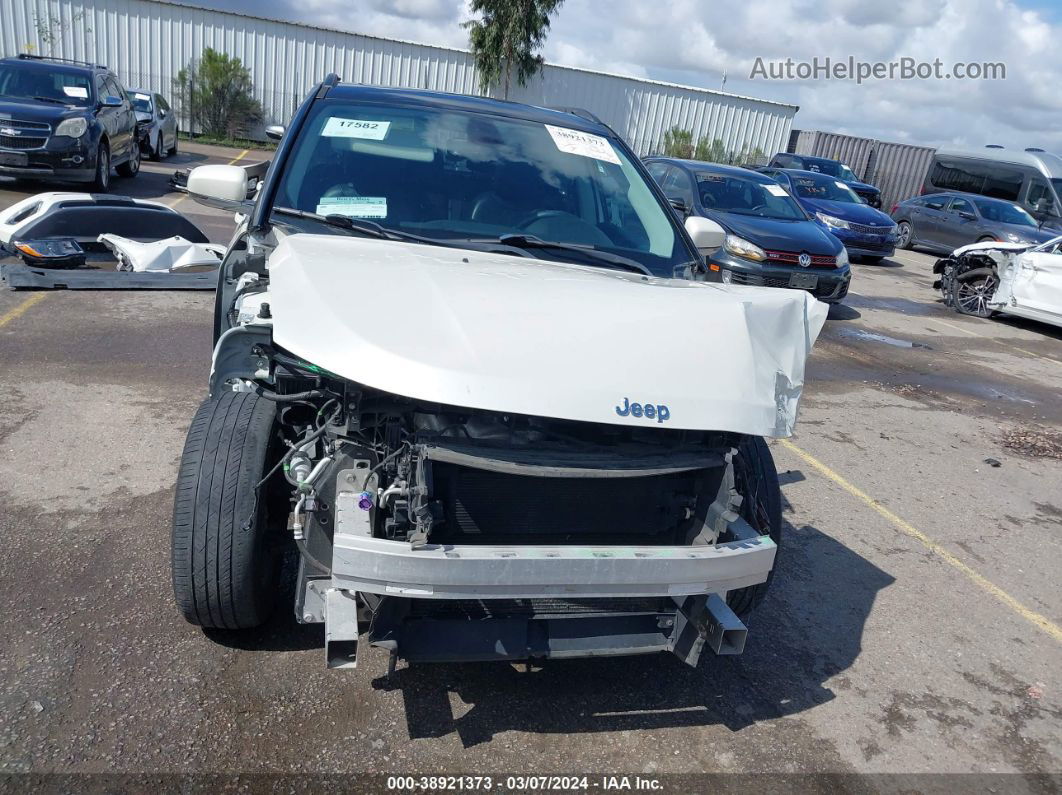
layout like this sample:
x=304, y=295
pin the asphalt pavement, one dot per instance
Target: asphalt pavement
x=915, y=625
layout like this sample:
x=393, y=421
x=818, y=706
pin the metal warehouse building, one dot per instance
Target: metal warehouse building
x=146, y=42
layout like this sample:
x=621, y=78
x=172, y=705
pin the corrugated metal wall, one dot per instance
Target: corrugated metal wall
x=898, y=170
x=147, y=42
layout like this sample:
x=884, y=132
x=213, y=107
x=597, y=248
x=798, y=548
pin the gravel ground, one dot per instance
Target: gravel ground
x=913, y=627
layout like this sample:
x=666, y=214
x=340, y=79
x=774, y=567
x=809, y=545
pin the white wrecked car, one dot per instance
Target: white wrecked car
x=1016, y=279
x=455, y=370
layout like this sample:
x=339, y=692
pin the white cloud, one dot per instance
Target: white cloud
x=691, y=41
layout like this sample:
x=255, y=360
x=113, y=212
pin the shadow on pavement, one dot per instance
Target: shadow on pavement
x=842, y=312
x=808, y=630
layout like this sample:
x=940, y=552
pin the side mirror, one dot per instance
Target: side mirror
x=967, y=216
x=275, y=131
x=112, y=102
x=707, y=235
x=162, y=114
x=224, y=187
x=1044, y=206
x=679, y=205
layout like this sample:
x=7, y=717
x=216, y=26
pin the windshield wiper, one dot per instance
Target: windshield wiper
x=50, y=99
x=373, y=229
x=598, y=257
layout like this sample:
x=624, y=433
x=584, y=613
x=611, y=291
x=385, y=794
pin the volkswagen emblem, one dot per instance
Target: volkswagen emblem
x=804, y=260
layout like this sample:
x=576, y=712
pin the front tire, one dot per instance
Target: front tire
x=157, y=150
x=226, y=550
x=757, y=481
x=972, y=295
x=173, y=149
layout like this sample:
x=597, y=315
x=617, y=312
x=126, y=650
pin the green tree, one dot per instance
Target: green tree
x=217, y=94
x=713, y=151
x=51, y=30
x=506, y=37
x=678, y=143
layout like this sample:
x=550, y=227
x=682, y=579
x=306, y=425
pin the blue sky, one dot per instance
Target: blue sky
x=693, y=42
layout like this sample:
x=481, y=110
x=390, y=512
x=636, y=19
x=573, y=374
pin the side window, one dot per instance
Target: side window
x=161, y=102
x=961, y=206
x=679, y=186
x=1038, y=190
x=1003, y=183
x=101, y=88
x=658, y=171
x=957, y=175
x=112, y=88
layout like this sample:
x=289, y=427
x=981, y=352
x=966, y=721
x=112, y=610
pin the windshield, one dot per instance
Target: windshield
x=824, y=188
x=747, y=197
x=1004, y=213
x=141, y=102
x=37, y=81
x=832, y=168
x=458, y=176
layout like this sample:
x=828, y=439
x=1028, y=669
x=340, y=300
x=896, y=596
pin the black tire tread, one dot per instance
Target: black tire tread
x=758, y=457
x=218, y=576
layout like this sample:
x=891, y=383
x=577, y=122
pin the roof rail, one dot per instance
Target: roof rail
x=994, y=146
x=330, y=81
x=1033, y=149
x=25, y=56
x=581, y=113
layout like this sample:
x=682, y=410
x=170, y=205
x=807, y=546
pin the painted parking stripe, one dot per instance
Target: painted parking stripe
x=21, y=309
x=1039, y=621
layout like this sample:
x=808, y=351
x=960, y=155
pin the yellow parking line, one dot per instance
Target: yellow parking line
x=1038, y=620
x=993, y=339
x=239, y=157
x=21, y=309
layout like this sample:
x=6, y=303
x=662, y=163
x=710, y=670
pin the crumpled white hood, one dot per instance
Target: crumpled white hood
x=526, y=336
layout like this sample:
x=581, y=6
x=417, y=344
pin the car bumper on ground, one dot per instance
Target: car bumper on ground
x=826, y=284
x=72, y=163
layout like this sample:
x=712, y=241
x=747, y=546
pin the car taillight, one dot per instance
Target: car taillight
x=894, y=208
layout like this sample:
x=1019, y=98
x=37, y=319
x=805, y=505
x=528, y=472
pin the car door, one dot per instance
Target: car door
x=1036, y=285
x=107, y=117
x=126, y=120
x=961, y=224
x=167, y=122
x=927, y=227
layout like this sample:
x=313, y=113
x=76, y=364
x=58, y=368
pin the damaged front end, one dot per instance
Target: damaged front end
x=970, y=276
x=443, y=533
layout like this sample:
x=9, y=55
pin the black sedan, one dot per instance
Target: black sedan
x=942, y=222
x=771, y=240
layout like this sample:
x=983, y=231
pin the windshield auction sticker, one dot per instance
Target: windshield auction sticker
x=776, y=190
x=337, y=127
x=575, y=142
x=353, y=206
x=77, y=92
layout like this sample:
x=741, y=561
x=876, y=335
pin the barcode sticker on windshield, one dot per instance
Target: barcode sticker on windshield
x=575, y=142
x=840, y=184
x=336, y=127
x=138, y=95
x=353, y=206
x=78, y=92
x=776, y=190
